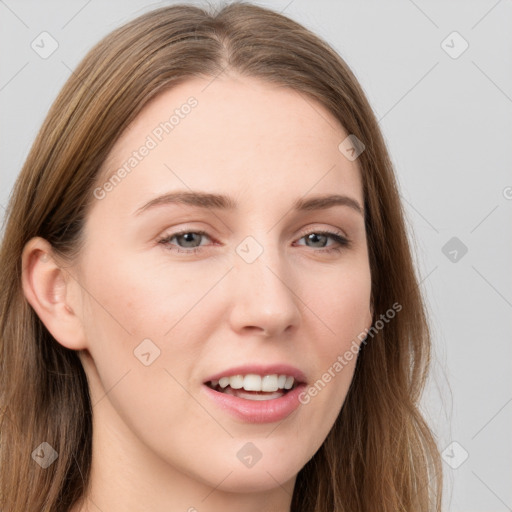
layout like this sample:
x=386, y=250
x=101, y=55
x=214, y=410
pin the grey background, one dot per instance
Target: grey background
x=448, y=125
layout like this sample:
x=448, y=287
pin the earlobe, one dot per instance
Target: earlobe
x=46, y=286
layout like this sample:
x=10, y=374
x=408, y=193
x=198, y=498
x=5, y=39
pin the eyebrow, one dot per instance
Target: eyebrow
x=222, y=202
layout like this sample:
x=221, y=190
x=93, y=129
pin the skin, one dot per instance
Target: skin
x=159, y=442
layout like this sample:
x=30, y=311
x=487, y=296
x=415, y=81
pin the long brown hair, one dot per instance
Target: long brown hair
x=380, y=453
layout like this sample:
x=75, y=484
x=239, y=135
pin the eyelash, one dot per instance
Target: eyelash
x=341, y=240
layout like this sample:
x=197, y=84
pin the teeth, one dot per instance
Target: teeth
x=224, y=382
x=269, y=383
x=236, y=381
x=289, y=383
x=253, y=382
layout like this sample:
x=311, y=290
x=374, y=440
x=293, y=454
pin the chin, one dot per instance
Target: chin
x=253, y=480
x=229, y=474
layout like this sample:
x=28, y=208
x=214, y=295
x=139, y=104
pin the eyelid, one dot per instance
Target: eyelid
x=341, y=240
x=329, y=230
x=302, y=232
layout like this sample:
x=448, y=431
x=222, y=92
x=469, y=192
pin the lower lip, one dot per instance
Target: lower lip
x=258, y=411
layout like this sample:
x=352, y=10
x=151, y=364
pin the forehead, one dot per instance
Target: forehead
x=234, y=134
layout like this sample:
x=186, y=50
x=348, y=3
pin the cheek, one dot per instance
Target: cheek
x=137, y=328
x=140, y=301
x=143, y=317
x=341, y=303
x=340, y=306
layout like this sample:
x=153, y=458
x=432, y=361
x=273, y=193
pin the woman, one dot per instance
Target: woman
x=209, y=301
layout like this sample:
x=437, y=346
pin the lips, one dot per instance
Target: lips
x=257, y=400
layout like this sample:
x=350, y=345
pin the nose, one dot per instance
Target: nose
x=265, y=296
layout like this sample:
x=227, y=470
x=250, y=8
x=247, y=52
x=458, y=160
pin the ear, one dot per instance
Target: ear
x=53, y=293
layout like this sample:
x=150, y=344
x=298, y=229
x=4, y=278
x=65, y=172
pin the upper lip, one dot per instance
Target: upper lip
x=279, y=369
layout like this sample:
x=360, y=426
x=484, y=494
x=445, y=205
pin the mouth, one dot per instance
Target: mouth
x=252, y=386
x=256, y=393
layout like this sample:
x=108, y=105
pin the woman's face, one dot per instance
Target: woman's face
x=252, y=286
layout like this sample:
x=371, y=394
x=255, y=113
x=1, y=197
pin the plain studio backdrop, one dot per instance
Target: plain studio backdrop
x=438, y=75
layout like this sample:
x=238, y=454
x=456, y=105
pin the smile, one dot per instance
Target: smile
x=253, y=386
x=256, y=393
